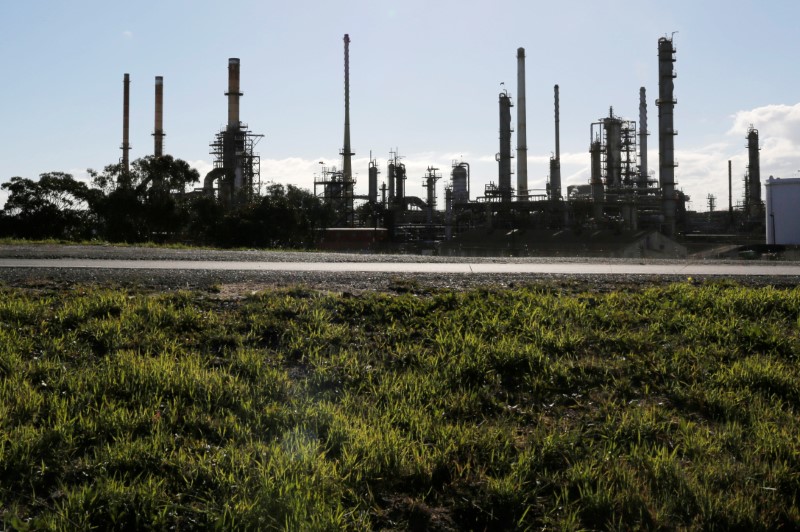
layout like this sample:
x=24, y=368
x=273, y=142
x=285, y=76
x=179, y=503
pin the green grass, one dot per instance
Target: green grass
x=668, y=407
x=8, y=241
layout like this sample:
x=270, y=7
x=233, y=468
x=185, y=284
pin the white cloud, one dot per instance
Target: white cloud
x=127, y=34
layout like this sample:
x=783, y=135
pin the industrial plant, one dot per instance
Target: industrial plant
x=626, y=209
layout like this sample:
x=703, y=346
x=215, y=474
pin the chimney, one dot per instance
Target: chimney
x=233, y=93
x=347, y=170
x=126, y=100
x=158, y=132
x=522, y=148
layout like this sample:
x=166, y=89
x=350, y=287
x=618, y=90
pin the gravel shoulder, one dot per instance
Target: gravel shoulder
x=238, y=283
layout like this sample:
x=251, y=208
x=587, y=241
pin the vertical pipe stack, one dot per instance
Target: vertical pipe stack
x=390, y=171
x=233, y=93
x=754, y=172
x=555, y=162
x=730, y=191
x=158, y=132
x=613, y=131
x=373, y=181
x=595, y=151
x=347, y=170
x=522, y=148
x=399, y=182
x=643, y=169
x=666, y=132
x=126, y=146
x=504, y=157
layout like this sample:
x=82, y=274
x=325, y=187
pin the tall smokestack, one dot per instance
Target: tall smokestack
x=555, y=162
x=522, y=147
x=643, y=170
x=233, y=93
x=347, y=170
x=126, y=100
x=158, y=132
x=666, y=132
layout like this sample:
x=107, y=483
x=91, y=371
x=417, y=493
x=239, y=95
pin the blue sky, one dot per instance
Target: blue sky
x=425, y=76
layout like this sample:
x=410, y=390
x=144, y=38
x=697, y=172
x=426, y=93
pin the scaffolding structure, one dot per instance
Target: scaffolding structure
x=619, y=168
x=233, y=149
x=334, y=188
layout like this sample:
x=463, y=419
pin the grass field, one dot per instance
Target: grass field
x=537, y=407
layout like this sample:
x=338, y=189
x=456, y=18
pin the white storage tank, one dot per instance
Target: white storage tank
x=783, y=211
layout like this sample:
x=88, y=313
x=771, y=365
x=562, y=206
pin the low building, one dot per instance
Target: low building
x=563, y=243
x=352, y=238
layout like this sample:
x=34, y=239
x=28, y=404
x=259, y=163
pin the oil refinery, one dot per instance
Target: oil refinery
x=624, y=210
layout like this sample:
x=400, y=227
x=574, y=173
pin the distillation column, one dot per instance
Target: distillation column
x=126, y=146
x=643, y=170
x=596, y=178
x=555, y=161
x=754, y=173
x=613, y=149
x=372, y=193
x=522, y=147
x=666, y=133
x=390, y=171
x=158, y=132
x=504, y=156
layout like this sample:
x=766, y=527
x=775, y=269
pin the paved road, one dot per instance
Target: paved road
x=567, y=268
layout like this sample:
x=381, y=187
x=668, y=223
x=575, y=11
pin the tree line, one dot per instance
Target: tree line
x=154, y=202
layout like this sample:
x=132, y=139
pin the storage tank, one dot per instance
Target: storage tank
x=460, y=178
x=783, y=216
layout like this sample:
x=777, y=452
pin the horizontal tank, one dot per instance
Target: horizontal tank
x=783, y=216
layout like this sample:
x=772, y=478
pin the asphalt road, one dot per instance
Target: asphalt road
x=597, y=267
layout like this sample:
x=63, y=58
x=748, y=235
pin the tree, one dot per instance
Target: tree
x=55, y=206
x=144, y=203
x=287, y=217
